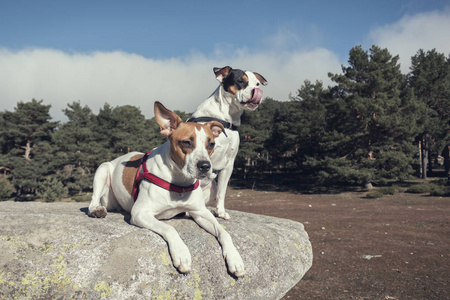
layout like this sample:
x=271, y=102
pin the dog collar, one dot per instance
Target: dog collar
x=143, y=173
x=225, y=124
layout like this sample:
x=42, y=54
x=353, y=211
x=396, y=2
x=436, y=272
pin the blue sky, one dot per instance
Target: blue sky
x=136, y=52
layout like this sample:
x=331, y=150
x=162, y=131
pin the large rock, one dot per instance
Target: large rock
x=54, y=250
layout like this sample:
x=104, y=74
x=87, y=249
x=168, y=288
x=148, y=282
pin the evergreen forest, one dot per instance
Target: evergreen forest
x=375, y=125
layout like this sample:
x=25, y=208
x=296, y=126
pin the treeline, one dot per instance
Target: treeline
x=367, y=128
x=45, y=159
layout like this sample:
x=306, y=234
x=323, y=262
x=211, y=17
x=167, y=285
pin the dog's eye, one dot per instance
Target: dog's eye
x=241, y=84
x=211, y=146
x=186, y=144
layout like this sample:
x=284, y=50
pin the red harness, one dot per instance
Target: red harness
x=142, y=173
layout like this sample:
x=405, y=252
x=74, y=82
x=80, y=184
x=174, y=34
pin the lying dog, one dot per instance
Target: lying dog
x=238, y=90
x=171, y=174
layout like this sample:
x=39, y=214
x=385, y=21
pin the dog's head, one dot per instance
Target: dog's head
x=191, y=144
x=243, y=85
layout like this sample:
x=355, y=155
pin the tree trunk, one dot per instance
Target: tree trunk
x=426, y=141
x=446, y=155
x=420, y=160
x=27, y=151
x=424, y=163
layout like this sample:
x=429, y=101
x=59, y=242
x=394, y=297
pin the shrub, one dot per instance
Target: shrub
x=82, y=198
x=387, y=190
x=51, y=190
x=378, y=193
x=419, y=189
x=6, y=189
x=374, y=195
x=440, y=190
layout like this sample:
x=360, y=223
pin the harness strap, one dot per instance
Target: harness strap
x=225, y=124
x=143, y=173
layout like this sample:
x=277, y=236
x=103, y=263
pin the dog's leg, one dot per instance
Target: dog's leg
x=181, y=257
x=207, y=221
x=222, y=184
x=101, y=190
x=209, y=192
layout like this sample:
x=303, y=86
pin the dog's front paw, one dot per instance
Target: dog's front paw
x=235, y=263
x=99, y=212
x=181, y=258
x=221, y=213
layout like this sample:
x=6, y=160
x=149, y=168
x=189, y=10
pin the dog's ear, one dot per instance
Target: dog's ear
x=216, y=128
x=260, y=78
x=168, y=120
x=221, y=73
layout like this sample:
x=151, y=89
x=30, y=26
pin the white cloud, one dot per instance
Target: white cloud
x=422, y=31
x=120, y=78
x=182, y=83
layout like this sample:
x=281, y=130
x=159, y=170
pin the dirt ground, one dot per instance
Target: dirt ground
x=395, y=247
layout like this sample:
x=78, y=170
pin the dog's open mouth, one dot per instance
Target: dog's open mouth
x=254, y=102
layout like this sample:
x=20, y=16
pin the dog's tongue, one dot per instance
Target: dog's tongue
x=257, y=96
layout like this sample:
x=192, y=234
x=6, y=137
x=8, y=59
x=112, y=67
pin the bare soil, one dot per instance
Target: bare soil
x=394, y=247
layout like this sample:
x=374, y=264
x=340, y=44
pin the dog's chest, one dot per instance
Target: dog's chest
x=167, y=204
x=225, y=150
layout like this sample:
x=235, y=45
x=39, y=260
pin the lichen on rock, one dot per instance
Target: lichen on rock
x=55, y=250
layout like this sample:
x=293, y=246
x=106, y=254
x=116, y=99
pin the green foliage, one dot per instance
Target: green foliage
x=388, y=190
x=440, y=190
x=434, y=189
x=364, y=137
x=87, y=140
x=374, y=195
x=35, y=149
x=6, y=189
x=363, y=129
x=51, y=189
x=254, y=133
x=380, y=192
x=419, y=189
x=82, y=198
x=27, y=148
x=430, y=79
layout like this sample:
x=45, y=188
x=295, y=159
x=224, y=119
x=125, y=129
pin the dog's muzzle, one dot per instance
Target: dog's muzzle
x=254, y=102
x=257, y=96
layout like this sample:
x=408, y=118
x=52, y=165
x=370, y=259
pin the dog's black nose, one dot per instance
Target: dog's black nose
x=203, y=166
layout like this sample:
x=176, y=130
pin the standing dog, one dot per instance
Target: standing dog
x=238, y=90
x=171, y=174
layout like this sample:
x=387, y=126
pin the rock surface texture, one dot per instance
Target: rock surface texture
x=54, y=250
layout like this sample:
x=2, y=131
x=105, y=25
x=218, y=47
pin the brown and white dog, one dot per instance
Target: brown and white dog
x=178, y=163
x=238, y=91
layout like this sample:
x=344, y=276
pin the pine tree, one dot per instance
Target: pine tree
x=430, y=79
x=371, y=122
x=102, y=126
x=87, y=140
x=128, y=132
x=310, y=120
x=254, y=132
x=77, y=148
x=26, y=145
